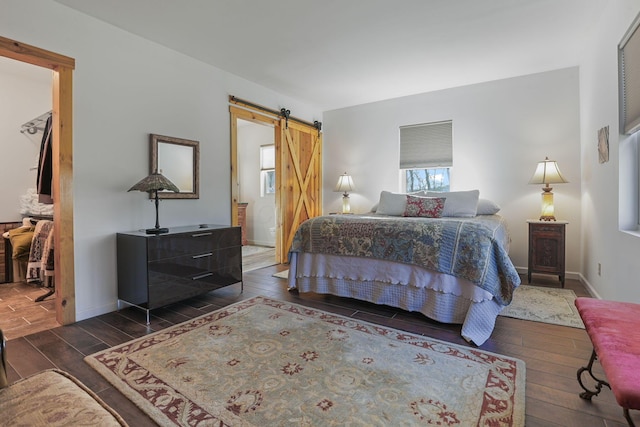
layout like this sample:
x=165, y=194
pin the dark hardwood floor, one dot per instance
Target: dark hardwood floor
x=552, y=353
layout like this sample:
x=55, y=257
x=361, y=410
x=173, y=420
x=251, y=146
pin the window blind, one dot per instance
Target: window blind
x=267, y=157
x=629, y=66
x=426, y=145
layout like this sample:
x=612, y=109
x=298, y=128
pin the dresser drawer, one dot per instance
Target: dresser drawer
x=196, y=242
x=193, y=266
x=181, y=244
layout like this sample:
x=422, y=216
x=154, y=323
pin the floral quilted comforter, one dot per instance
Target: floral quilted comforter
x=471, y=248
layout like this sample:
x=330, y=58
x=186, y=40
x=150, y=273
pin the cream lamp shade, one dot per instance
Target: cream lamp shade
x=547, y=172
x=344, y=185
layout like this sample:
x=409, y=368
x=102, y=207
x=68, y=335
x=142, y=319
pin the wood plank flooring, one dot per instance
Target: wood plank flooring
x=552, y=353
x=20, y=314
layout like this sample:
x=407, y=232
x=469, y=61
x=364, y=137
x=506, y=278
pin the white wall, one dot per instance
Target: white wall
x=501, y=130
x=124, y=88
x=25, y=93
x=261, y=209
x=609, y=190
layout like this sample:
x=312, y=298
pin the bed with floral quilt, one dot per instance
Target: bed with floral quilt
x=452, y=269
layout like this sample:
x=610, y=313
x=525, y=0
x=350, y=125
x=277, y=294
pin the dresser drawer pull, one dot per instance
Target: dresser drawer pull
x=202, y=255
x=201, y=234
x=202, y=276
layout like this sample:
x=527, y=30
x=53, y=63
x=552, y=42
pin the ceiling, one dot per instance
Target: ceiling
x=338, y=53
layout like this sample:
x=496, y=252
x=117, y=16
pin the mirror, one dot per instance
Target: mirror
x=178, y=160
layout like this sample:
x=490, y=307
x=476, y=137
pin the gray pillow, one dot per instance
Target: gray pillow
x=393, y=203
x=487, y=207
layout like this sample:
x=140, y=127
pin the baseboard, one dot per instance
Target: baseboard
x=573, y=275
x=589, y=287
x=261, y=243
x=97, y=311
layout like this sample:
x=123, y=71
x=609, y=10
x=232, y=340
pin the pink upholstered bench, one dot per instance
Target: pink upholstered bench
x=614, y=330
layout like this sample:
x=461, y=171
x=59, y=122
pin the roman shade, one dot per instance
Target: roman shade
x=267, y=157
x=629, y=68
x=426, y=145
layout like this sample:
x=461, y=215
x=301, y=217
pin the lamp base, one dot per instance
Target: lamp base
x=156, y=230
x=346, y=206
x=548, y=212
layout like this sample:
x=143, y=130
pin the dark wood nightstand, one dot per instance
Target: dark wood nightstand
x=546, y=248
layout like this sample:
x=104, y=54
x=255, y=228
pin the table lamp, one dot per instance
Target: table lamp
x=547, y=172
x=344, y=185
x=152, y=184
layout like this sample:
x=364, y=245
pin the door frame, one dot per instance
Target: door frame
x=62, y=183
x=261, y=119
x=292, y=184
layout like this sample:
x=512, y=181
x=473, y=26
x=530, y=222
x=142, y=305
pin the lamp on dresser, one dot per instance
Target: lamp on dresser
x=152, y=184
x=547, y=172
x=344, y=185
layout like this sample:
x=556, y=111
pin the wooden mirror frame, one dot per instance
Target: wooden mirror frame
x=157, y=142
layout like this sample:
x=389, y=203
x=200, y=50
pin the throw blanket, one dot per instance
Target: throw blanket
x=466, y=248
x=39, y=252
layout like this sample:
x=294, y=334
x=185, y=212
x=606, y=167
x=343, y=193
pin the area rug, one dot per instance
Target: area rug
x=263, y=362
x=284, y=274
x=547, y=305
x=256, y=257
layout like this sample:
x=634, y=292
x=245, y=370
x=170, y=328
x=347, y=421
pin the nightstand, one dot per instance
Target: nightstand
x=546, y=248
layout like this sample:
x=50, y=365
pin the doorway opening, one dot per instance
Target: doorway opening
x=62, y=165
x=256, y=193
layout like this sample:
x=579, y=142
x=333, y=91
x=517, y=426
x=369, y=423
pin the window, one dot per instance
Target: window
x=432, y=179
x=629, y=70
x=267, y=170
x=426, y=156
x=629, y=110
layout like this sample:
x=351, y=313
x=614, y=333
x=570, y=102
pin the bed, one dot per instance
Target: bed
x=450, y=265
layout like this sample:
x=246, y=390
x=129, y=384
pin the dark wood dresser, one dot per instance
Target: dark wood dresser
x=156, y=270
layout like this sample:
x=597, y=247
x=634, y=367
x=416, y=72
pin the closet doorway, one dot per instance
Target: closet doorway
x=62, y=185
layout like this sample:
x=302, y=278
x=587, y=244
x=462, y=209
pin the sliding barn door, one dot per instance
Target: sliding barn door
x=299, y=180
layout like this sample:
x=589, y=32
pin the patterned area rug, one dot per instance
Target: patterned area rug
x=265, y=362
x=547, y=305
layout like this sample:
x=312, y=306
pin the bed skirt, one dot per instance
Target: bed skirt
x=453, y=302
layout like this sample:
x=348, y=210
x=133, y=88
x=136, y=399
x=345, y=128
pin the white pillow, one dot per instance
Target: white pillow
x=392, y=203
x=487, y=207
x=458, y=203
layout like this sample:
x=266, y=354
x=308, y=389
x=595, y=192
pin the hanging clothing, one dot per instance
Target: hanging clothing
x=45, y=166
x=39, y=251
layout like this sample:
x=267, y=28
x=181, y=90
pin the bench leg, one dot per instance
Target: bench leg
x=628, y=418
x=3, y=362
x=587, y=394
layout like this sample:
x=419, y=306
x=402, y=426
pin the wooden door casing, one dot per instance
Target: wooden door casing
x=62, y=156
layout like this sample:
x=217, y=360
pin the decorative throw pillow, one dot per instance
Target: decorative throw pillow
x=429, y=207
x=21, y=238
x=459, y=203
